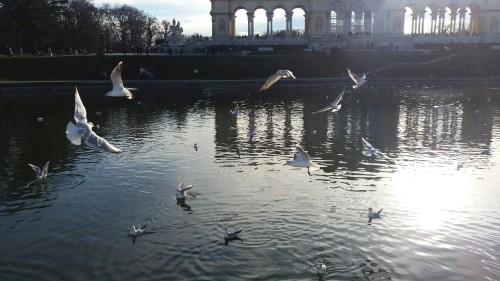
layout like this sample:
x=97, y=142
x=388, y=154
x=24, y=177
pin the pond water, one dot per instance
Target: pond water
x=440, y=221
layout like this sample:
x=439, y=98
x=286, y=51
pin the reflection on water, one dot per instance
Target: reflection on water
x=440, y=215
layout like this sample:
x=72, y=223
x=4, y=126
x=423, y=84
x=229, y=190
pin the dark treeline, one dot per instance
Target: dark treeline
x=33, y=26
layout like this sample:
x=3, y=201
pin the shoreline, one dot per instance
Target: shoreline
x=189, y=89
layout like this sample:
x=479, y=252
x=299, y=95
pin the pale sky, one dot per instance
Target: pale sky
x=194, y=15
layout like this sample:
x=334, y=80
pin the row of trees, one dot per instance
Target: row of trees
x=31, y=25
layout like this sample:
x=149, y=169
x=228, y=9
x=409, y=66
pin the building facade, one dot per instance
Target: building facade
x=327, y=20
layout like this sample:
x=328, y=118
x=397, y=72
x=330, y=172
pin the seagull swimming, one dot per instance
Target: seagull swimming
x=320, y=268
x=83, y=129
x=282, y=73
x=334, y=106
x=229, y=234
x=182, y=191
x=118, y=89
x=369, y=150
x=236, y=111
x=137, y=231
x=454, y=107
x=40, y=173
x=301, y=159
x=195, y=146
x=359, y=81
x=373, y=215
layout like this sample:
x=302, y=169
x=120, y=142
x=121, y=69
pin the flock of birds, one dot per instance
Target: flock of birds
x=82, y=130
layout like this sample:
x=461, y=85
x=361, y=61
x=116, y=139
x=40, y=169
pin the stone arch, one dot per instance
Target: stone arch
x=337, y=17
x=299, y=20
x=475, y=18
x=357, y=17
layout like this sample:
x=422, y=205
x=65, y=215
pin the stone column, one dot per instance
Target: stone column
x=368, y=22
x=414, y=23
x=454, y=21
x=269, y=25
x=289, y=17
x=421, y=15
x=347, y=21
x=250, y=25
x=433, y=22
x=463, y=12
x=442, y=15
x=232, y=25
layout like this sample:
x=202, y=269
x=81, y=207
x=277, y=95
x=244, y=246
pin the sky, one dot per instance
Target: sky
x=194, y=15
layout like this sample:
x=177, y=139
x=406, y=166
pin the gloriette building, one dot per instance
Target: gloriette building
x=351, y=23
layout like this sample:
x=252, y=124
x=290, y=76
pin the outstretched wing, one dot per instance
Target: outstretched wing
x=95, y=141
x=45, y=169
x=36, y=169
x=366, y=144
x=301, y=154
x=330, y=107
x=80, y=112
x=116, y=77
x=270, y=81
x=290, y=74
x=339, y=98
x=353, y=76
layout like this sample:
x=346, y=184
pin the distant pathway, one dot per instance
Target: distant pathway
x=410, y=63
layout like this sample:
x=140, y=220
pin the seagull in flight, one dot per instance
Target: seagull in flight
x=301, y=159
x=334, y=106
x=83, y=130
x=40, y=173
x=236, y=111
x=118, y=89
x=282, y=73
x=369, y=150
x=373, y=215
x=359, y=81
x=454, y=107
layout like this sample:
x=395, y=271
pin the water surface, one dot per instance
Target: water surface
x=438, y=222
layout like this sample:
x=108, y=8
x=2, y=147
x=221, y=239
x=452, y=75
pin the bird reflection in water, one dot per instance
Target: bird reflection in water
x=182, y=203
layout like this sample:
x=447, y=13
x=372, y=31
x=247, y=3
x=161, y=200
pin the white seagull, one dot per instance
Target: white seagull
x=40, y=173
x=454, y=107
x=301, y=159
x=182, y=191
x=320, y=268
x=359, y=81
x=229, y=234
x=369, y=150
x=137, y=231
x=282, y=73
x=118, y=89
x=83, y=130
x=236, y=111
x=334, y=106
x=373, y=215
